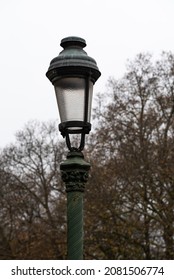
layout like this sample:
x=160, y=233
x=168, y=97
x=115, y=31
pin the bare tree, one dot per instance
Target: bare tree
x=33, y=195
x=132, y=151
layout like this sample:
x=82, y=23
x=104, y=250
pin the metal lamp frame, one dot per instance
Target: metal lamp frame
x=73, y=61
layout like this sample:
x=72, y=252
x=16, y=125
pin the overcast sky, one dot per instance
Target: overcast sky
x=30, y=35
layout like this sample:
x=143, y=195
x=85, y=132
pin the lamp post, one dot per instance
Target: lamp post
x=73, y=74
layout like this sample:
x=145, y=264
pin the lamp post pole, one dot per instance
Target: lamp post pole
x=75, y=174
x=73, y=74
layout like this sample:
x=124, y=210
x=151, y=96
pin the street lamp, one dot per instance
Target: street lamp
x=73, y=74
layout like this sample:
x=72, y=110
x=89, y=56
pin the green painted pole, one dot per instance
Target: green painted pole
x=74, y=172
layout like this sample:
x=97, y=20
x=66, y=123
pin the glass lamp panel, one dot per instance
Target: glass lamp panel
x=90, y=101
x=70, y=94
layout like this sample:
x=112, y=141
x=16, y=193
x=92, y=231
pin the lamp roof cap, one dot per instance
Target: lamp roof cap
x=73, y=60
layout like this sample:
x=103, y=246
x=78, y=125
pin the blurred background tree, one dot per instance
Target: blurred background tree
x=130, y=197
x=33, y=200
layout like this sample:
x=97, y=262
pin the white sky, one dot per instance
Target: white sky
x=30, y=35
